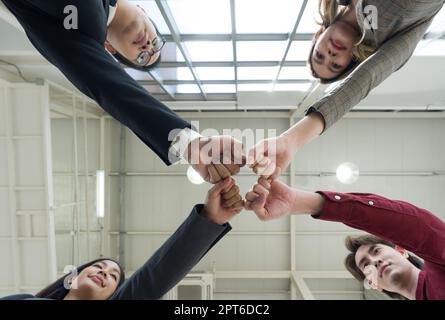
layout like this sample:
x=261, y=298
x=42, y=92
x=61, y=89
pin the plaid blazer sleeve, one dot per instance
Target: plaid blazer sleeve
x=390, y=57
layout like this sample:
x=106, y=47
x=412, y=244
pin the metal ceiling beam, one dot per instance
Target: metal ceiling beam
x=170, y=21
x=179, y=64
x=302, y=286
x=179, y=82
x=160, y=83
x=241, y=37
x=290, y=41
x=235, y=55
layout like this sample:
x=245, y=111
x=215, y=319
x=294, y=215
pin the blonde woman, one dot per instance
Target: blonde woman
x=363, y=41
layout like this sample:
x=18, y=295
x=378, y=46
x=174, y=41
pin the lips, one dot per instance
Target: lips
x=97, y=280
x=338, y=45
x=382, y=270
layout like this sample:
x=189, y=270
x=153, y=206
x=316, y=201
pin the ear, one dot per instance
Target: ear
x=402, y=251
x=317, y=35
x=109, y=47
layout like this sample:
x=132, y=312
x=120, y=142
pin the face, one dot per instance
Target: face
x=333, y=50
x=98, y=281
x=391, y=265
x=136, y=34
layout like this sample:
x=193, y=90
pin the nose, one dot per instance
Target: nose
x=332, y=53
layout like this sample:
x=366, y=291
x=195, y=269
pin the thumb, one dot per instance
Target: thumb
x=259, y=203
x=256, y=153
x=220, y=186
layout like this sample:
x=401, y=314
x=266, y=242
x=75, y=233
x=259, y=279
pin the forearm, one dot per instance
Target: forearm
x=304, y=131
x=309, y=203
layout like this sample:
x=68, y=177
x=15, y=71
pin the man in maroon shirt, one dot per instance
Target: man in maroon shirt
x=400, y=227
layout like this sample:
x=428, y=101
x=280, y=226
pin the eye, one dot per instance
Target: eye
x=114, y=277
x=98, y=266
x=336, y=66
x=376, y=250
x=318, y=55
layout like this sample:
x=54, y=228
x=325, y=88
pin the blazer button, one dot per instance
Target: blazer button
x=371, y=203
x=337, y=197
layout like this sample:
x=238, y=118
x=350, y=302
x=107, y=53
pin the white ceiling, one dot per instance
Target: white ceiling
x=231, y=81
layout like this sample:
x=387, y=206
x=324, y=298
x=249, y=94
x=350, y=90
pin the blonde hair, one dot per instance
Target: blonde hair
x=329, y=14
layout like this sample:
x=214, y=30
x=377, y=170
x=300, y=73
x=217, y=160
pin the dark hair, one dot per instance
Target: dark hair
x=57, y=290
x=354, y=243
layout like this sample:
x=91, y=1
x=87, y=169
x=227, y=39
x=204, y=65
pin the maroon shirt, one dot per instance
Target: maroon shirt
x=401, y=223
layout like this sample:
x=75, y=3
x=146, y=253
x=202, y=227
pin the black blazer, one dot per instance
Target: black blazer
x=81, y=56
x=169, y=264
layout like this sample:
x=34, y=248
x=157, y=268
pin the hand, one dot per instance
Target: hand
x=270, y=157
x=271, y=199
x=223, y=202
x=216, y=158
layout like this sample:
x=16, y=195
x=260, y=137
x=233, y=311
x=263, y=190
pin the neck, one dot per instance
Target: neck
x=408, y=290
x=349, y=16
x=120, y=18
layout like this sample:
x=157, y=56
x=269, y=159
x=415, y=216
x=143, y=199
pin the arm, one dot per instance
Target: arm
x=399, y=222
x=205, y=226
x=404, y=224
x=389, y=58
x=83, y=59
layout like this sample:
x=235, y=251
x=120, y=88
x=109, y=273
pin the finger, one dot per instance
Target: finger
x=265, y=183
x=214, y=175
x=217, y=188
x=237, y=153
x=238, y=205
x=256, y=153
x=260, y=190
x=258, y=204
x=267, y=170
x=222, y=171
x=229, y=186
x=230, y=202
x=276, y=173
x=248, y=205
x=251, y=196
x=234, y=190
x=233, y=168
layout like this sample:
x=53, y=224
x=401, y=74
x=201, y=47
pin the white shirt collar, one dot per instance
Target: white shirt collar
x=111, y=14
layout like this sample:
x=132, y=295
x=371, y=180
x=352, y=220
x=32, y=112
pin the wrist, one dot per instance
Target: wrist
x=206, y=214
x=310, y=203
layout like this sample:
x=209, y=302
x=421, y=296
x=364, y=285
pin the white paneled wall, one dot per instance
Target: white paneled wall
x=27, y=242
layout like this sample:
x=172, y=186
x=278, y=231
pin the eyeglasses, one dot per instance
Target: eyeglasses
x=156, y=45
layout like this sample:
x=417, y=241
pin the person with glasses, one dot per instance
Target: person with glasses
x=81, y=37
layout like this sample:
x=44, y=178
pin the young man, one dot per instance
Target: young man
x=385, y=261
x=74, y=35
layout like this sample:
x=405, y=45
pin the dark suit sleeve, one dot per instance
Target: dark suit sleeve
x=174, y=260
x=82, y=58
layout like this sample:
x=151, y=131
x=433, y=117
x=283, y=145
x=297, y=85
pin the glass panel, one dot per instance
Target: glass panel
x=209, y=51
x=292, y=87
x=170, y=53
x=201, y=16
x=291, y=73
x=255, y=87
x=184, y=88
x=154, y=89
x=181, y=73
x=216, y=73
x=260, y=50
x=308, y=21
x=257, y=73
x=152, y=10
x=219, y=88
x=299, y=51
x=265, y=16
x=138, y=75
x=434, y=48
